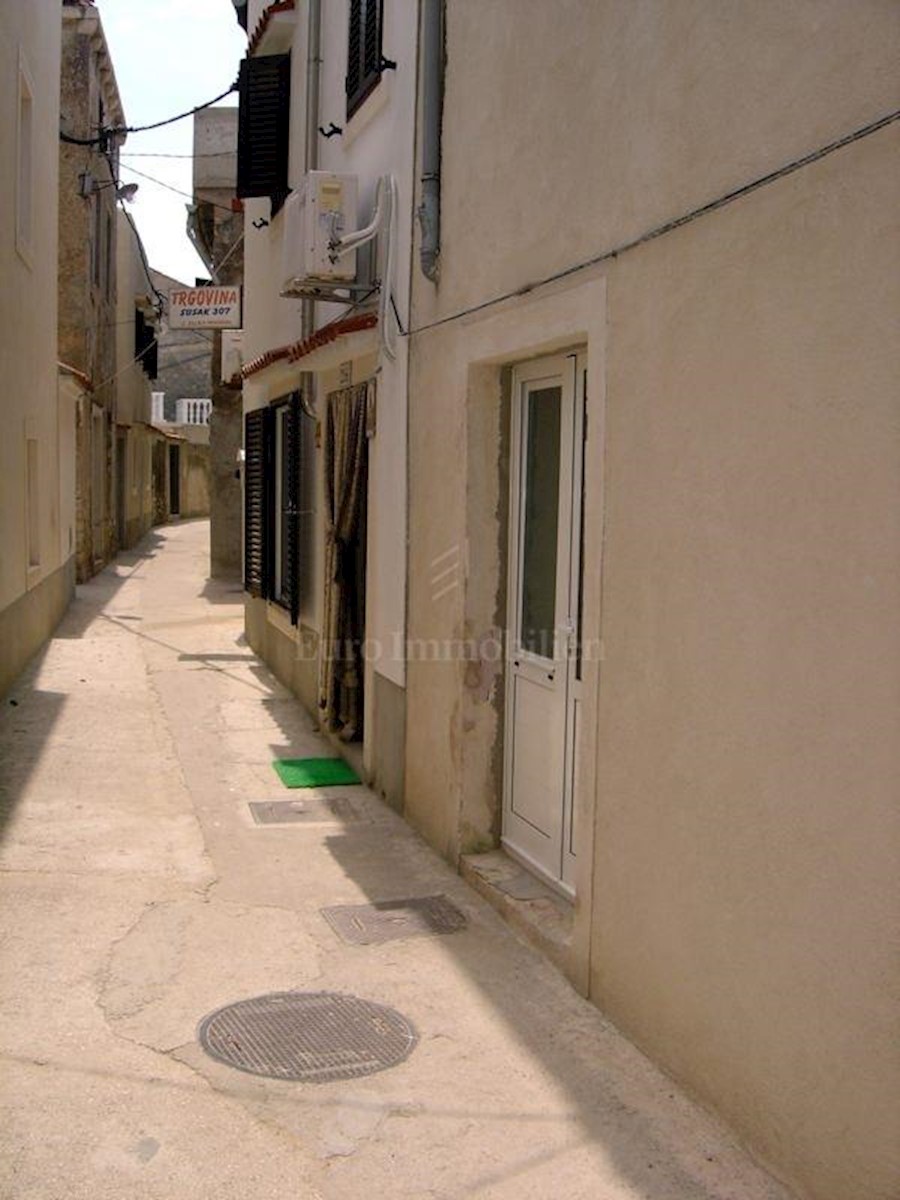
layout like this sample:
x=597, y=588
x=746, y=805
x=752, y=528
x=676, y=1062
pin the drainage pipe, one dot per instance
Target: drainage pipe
x=429, y=211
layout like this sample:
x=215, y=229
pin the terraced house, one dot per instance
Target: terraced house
x=571, y=498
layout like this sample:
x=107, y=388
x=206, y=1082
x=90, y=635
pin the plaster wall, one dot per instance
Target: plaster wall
x=379, y=139
x=194, y=463
x=610, y=118
x=87, y=241
x=214, y=184
x=738, y=760
x=133, y=400
x=747, y=725
x=29, y=56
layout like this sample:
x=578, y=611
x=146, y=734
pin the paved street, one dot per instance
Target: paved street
x=139, y=895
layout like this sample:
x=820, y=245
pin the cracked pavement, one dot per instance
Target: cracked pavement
x=139, y=895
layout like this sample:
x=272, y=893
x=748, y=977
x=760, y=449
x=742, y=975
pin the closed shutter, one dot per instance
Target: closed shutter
x=264, y=90
x=257, y=506
x=363, y=51
x=290, y=536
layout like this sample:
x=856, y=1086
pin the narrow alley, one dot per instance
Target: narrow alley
x=139, y=896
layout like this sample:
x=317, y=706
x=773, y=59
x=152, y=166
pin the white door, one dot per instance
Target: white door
x=543, y=697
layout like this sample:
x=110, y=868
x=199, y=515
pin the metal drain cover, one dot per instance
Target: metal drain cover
x=310, y=1036
x=311, y=810
x=367, y=924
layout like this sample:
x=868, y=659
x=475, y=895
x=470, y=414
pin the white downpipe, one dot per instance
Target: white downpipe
x=383, y=223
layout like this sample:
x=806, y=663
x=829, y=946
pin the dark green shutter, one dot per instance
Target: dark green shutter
x=264, y=89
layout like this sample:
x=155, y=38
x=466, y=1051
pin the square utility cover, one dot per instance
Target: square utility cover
x=311, y=810
x=315, y=772
x=388, y=920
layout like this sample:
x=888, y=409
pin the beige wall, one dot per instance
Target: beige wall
x=87, y=306
x=738, y=766
x=194, y=480
x=133, y=386
x=611, y=117
x=34, y=584
x=378, y=139
x=747, y=733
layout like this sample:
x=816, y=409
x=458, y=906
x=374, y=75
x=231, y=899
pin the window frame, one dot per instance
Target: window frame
x=272, y=493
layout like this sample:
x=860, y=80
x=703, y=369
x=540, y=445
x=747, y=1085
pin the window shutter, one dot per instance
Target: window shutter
x=257, y=516
x=372, y=39
x=264, y=90
x=354, y=58
x=290, y=546
x=363, y=51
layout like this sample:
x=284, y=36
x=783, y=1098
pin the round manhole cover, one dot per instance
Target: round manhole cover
x=311, y=1036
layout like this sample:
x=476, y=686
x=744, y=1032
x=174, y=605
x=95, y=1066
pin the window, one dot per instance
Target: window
x=146, y=346
x=363, y=51
x=273, y=439
x=25, y=165
x=264, y=91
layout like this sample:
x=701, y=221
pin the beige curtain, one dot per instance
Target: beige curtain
x=343, y=624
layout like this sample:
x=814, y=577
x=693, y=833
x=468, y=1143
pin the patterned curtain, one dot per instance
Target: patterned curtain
x=343, y=624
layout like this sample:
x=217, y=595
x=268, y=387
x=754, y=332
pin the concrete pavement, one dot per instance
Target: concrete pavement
x=138, y=895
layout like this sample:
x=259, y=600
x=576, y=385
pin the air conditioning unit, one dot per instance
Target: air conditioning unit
x=315, y=215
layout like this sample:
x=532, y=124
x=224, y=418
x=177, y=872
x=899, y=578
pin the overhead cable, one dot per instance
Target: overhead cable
x=118, y=130
x=670, y=226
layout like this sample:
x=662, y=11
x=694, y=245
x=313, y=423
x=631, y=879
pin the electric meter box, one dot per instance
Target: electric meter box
x=321, y=211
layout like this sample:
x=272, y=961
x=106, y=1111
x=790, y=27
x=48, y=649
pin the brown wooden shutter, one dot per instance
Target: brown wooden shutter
x=264, y=90
x=363, y=51
x=257, y=506
x=354, y=57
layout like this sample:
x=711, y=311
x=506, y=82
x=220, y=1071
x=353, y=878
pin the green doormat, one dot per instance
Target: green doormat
x=314, y=772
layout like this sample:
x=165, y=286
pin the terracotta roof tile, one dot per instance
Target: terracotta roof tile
x=263, y=24
x=322, y=337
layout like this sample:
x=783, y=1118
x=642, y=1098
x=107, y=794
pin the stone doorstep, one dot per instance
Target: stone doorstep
x=532, y=908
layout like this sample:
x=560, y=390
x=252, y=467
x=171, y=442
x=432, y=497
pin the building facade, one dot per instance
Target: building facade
x=602, y=476
x=37, y=518
x=653, y=432
x=137, y=309
x=325, y=377
x=88, y=173
x=216, y=228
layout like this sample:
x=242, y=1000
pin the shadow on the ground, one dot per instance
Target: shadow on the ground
x=29, y=713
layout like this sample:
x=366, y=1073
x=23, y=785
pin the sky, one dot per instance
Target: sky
x=168, y=56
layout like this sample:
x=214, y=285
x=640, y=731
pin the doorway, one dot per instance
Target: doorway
x=174, y=481
x=543, y=678
x=341, y=665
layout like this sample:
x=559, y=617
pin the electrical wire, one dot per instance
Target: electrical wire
x=118, y=130
x=676, y=223
x=169, y=188
x=161, y=300
x=182, y=362
x=153, y=154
